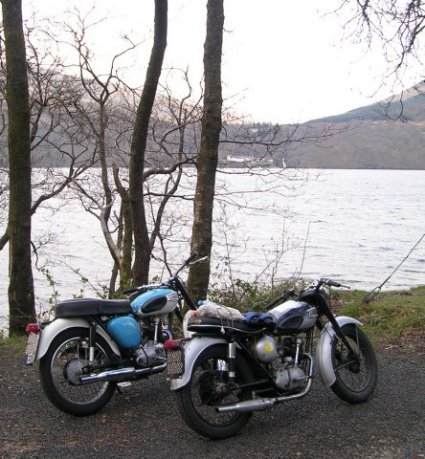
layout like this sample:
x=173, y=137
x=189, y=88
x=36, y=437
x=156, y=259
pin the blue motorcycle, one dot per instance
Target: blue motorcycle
x=94, y=344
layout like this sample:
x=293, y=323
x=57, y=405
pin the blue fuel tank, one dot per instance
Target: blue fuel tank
x=125, y=330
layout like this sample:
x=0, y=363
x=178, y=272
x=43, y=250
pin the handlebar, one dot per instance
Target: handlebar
x=331, y=283
x=290, y=293
x=285, y=296
x=189, y=261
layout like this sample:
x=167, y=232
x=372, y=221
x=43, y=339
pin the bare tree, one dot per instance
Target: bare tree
x=138, y=146
x=398, y=24
x=55, y=134
x=206, y=162
x=21, y=286
x=99, y=109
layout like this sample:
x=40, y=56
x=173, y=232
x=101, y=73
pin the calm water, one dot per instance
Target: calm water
x=352, y=225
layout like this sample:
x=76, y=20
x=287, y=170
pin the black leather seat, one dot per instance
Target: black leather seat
x=91, y=307
x=213, y=326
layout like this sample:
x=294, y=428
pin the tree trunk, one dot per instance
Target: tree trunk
x=207, y=158
x=21, y=286
x=142, y=252
x=127, y=244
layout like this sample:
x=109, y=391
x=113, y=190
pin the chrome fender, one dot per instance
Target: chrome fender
x=49, y=333
x=192, y=349
x=324, y=349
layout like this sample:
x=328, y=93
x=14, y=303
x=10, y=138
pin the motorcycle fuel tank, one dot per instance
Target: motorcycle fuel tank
x=155, y=302
x=293, y=316
x=125, y=330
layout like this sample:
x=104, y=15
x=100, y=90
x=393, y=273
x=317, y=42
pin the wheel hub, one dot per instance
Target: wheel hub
x=212, y=391
x=72, y=371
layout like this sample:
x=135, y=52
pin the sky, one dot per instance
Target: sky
x=283, y=61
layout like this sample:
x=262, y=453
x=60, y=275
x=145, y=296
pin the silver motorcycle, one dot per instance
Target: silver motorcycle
x=226, y=368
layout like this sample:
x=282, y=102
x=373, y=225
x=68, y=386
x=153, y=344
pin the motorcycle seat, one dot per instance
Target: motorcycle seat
x=212, y=326
x=91, y=307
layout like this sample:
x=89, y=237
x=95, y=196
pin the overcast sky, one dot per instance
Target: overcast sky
x=283, y=61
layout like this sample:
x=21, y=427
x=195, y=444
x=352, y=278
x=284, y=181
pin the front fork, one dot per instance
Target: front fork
x=340, y=335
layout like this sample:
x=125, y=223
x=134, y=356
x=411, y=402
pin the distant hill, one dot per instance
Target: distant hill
x=408, y=106
x=385, y=135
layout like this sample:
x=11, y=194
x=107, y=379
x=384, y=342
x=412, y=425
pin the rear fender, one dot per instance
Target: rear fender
x=192, y=350
x=324, y=349
x=49, y=333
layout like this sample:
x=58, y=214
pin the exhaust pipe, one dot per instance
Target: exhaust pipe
x=121, y=374
x=260, y=404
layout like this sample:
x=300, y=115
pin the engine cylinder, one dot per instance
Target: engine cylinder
x=266, y=349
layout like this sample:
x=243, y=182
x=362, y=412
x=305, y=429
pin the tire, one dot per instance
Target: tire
x=59, y=373
x=355, y=381
x=197, y=401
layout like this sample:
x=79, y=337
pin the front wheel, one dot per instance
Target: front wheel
x=60, y=370
x=210, y=387
x=355, y=377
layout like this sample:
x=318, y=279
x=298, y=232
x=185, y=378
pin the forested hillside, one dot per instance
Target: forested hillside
x=386, y=135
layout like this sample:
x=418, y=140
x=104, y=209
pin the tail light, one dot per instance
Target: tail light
x=172, y=344
x=32, y=328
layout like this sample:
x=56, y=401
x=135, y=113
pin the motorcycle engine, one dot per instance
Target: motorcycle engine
x=150, y=354
x=288, y=375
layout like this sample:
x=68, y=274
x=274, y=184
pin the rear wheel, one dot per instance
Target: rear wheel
x=355, y=378
x=209, y=388
x=60, y=370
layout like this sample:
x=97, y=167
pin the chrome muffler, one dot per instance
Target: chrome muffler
x=121, y=374
x=260, y=404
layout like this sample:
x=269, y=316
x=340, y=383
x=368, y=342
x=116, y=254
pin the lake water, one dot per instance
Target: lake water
x=352, y=225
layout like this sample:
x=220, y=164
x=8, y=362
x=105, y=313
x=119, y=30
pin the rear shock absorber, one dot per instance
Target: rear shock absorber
x=231, y=354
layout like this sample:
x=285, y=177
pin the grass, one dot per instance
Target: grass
x=392, y=317
x=17, y=341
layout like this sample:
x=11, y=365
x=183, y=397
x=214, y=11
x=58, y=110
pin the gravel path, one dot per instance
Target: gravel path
x=143, y=423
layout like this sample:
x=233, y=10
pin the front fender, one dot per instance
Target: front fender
x=52, y=330
x=192, y=349
x=324, y=349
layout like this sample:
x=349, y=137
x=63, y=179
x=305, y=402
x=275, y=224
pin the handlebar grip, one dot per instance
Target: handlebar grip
x=333, y=283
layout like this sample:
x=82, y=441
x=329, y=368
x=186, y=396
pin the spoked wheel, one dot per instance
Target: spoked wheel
x=355, y=377
x=209, y=388
x=60, y=371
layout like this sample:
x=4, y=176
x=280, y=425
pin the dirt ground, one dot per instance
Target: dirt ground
x=143, y=421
